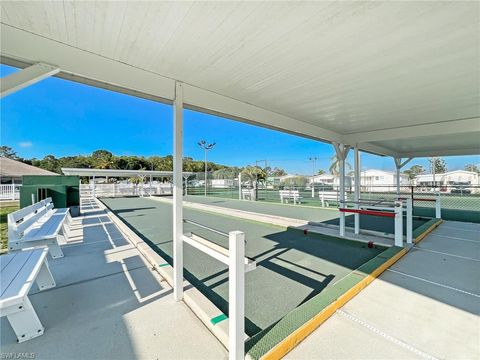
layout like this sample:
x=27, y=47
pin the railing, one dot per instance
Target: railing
x=238, y=264
x=10, y=191
x=458, y=202
x=119, y=190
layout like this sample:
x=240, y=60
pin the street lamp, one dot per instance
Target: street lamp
x=313, y=160
x=205, y=146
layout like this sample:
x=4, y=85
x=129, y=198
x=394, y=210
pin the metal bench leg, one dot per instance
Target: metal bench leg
x=25, y=322
x=55, y=250
x=44, y=278
x=66, y=230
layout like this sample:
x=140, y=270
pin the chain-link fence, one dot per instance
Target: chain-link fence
x=458, y=202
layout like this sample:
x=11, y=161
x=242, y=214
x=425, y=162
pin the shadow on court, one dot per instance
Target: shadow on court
x=291, y=269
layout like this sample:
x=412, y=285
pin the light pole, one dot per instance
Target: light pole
x=203, y=144
x=313, y=160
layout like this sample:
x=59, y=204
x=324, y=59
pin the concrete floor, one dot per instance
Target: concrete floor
x=108, y=304
x=427, y=305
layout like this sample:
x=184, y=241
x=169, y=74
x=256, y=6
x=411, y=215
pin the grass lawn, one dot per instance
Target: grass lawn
x=4, y=211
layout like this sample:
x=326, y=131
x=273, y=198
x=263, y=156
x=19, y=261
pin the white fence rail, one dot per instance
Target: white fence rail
x=119, y=190
x=10, y=191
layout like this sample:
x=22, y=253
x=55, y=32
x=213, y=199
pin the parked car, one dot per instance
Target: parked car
x=461, y=188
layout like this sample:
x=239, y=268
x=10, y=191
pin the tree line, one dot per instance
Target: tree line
x=104, y=159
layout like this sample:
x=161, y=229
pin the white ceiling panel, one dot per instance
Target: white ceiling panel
x=342, y=67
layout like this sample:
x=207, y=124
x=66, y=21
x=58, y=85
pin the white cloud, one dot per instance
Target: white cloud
x=25, y=144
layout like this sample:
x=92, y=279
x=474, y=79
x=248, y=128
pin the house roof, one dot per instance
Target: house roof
x=14, y=168
x=429, y=177
x=118, y=172
x=393, y=78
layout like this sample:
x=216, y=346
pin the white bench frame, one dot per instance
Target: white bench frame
x=19, y=270
x=326, y=196
x=32, y=226
x=285, y=195
x=248, y=194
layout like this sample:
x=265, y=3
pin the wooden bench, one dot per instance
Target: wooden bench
x=328, y=196
x=248, y=194
x=286, y=195
x=38, y=225
x=19, y=270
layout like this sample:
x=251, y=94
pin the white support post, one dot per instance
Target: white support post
x=93, y=190
x=240, y=186
x=178, y=193
x=236, y=296
x=409, y=215
x=33, y=199
x=342, y=196
x=13, y=189
x=398, y=165
x=357, y=180
x=438, y=206
x=398, y=223
x=342, y=152
x=26, y=77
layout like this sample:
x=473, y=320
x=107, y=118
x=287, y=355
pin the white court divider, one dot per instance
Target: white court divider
x=409, y=215
x=238, y=265
x=438, y=206
x=398, y=223
x=378, y=208
x=436, y=200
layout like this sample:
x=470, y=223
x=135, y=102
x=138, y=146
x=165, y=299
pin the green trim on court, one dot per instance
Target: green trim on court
x=162, y=265
x=422, y=231
x=261, y=343
x=218, y=319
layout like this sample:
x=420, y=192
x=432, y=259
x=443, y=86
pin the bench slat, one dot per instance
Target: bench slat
x=20, y=214
x=30, y=221
x=15, y=264
x=4, y=261
x=30, y=261
x=47, y=229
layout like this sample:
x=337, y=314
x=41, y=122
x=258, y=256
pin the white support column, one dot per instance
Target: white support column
x=240, y=186
x=13, y=189
x=409, y=216
x=236, y=296
x=178, y=193
x=398, y=165
x=398, y=223
x=93, y=190
x=357, y=167
x=26, y=77
x=342, y=152
x=438, y=206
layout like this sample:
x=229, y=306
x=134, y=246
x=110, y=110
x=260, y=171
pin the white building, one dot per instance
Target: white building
x=449, y=179
x=329, y=179
x=380, y=180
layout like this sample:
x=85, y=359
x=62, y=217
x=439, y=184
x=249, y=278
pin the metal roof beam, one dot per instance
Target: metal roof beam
x=26, y=77
x=414, y=131
x=442, y=152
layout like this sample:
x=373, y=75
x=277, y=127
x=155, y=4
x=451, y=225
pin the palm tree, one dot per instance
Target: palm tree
x=335, y=166
x=224, y=173
x=254, y=175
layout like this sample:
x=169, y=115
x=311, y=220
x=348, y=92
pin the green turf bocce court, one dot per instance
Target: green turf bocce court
x=297, y=274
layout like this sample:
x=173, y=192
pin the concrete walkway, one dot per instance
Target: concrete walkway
x=426, y=306
x=109, y=304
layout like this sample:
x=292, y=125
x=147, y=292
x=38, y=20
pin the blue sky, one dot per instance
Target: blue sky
x=62, y=118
